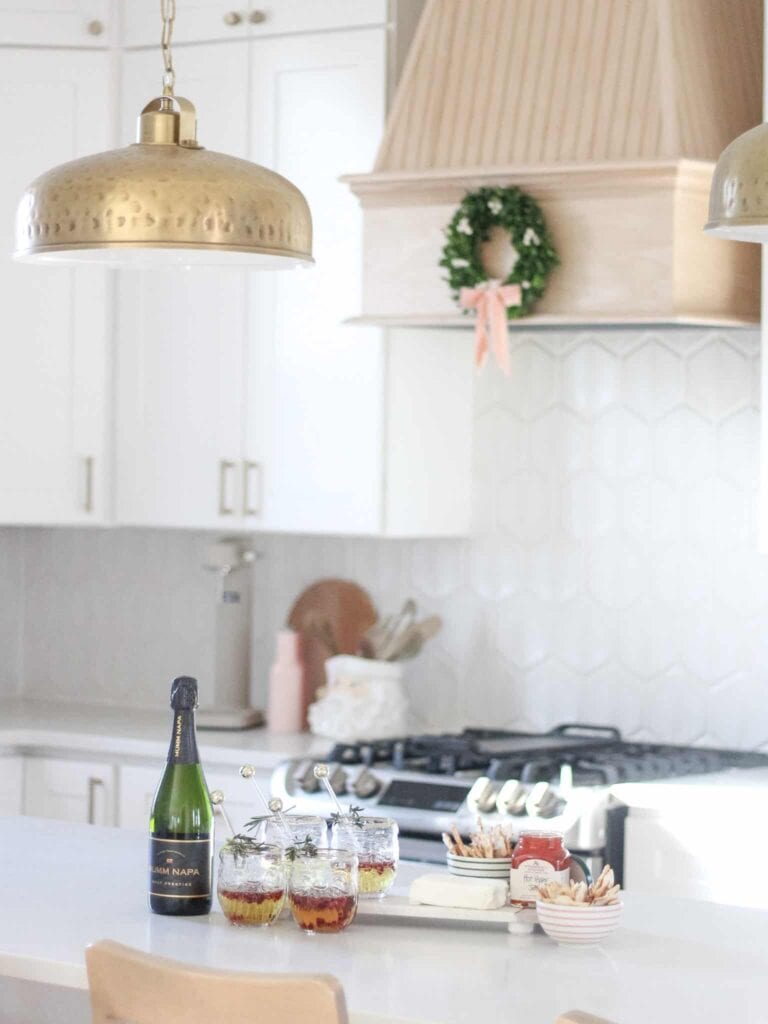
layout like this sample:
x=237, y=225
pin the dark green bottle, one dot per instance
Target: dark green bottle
x=181, y=824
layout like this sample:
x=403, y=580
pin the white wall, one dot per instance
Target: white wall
x=612, y=575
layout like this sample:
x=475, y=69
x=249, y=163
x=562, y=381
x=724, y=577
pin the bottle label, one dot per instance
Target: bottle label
x=180, y=867
x=525, y=880
x=183, y=749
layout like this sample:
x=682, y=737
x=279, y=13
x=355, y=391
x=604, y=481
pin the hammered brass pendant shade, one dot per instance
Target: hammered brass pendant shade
x=738, y=201
x=164, y=200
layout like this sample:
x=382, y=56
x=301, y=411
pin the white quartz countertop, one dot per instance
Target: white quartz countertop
x=63, y=886
x=123, y=731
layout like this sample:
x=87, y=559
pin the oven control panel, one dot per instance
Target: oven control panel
x=423, y=796
x=430, y=805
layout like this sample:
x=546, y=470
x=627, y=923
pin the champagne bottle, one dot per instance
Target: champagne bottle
x=181, y=823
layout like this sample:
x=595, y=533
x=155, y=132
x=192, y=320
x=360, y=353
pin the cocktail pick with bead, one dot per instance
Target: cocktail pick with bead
x=217, y=799
x=248, y=771
x=321, y=773
x=274, y=806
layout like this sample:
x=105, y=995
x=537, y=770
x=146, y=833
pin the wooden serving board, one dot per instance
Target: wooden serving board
x=349, y=611
x=516, y=920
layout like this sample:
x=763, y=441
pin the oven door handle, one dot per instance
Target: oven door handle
x=575, y=729
x=530, y=772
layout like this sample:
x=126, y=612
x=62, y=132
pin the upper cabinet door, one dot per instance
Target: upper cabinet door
x=315, y=405
x=181, y=334
x=54, y=106
x=55, y=23
x=209, y=20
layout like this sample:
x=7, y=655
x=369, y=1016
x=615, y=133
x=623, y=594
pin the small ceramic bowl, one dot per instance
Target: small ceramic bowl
x=479, y=867
x=578, y=925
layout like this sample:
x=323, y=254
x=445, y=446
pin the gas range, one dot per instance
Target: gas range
x=560, y=781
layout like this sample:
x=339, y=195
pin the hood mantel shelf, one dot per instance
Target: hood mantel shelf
x=619, y=153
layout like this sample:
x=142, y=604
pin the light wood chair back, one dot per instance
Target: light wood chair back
x=130, y=987
x=580, y=1017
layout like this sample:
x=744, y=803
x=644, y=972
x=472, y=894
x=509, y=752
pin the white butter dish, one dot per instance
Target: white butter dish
x=442, y=890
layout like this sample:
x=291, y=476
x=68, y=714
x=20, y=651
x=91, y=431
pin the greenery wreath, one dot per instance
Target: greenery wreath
x=519, y=215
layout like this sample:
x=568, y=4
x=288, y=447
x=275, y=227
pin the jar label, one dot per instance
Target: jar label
x=525, y=880
x=180, y=867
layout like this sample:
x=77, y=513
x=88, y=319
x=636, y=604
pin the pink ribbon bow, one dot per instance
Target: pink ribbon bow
x=490, y=300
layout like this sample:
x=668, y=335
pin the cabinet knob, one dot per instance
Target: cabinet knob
x=95, y=27
x=257, y=17
x=232, y=18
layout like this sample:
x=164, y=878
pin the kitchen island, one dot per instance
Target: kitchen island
x=64, y=886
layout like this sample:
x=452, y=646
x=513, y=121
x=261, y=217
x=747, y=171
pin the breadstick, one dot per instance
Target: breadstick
x=460, y=847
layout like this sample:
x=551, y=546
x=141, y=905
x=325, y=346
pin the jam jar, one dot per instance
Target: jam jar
x=539, y=857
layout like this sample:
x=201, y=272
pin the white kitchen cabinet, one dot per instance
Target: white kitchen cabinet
x=672, y=850
x=139, y=782
x=209, y=20
x=358, y=431
x=54, y=106
x=314, y=425
x=11, y=784
x=181, y=335
x=55, y=23
x=315, y=403
x=81, y=791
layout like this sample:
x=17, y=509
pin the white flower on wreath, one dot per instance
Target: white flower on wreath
x=495, y=205
x=530, y=237
x=464, y=226
x=515, y=256
x=525, y=284
x=459, y=263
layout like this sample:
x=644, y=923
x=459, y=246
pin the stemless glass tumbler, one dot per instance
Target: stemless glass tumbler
x=295, y=832
x=375, y=842
x=322, y=890
x=252, y=883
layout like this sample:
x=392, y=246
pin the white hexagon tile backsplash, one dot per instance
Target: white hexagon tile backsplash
x=612, y=575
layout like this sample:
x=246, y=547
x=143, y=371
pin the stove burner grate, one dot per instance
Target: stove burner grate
x=597, y=755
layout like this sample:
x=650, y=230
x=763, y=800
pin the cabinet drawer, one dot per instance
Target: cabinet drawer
x=55, y=23
x=208, y=20
x=81, y=791
x=274, y=17
x=139, y=782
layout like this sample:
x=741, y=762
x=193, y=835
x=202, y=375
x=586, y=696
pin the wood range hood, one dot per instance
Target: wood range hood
x=611, y=113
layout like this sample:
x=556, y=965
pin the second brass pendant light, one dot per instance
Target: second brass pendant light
x=164, y=200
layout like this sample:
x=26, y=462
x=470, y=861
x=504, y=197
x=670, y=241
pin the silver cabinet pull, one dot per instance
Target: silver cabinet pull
x=249, y=508
x=232, y=18
x=257, y=17
x=88, y=463
x=226, y=508
x=93, y=785
x=95, y=27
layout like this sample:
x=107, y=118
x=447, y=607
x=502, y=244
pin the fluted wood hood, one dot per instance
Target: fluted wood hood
x=611, y=114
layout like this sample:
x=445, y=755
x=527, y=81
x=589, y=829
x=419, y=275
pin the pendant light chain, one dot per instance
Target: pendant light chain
x=168, y=14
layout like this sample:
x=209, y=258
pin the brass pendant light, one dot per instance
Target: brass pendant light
x=738, y=200
x=164, y=200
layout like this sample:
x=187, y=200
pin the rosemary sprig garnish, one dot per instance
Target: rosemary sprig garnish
x=255, y=822
x=306, y=848
x=240, y=846
x=354, y=817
